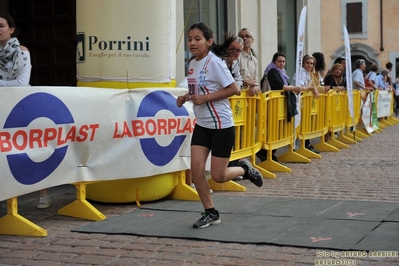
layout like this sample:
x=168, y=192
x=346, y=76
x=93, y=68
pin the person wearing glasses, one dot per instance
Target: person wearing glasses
x=233, y=52
x=248, y=63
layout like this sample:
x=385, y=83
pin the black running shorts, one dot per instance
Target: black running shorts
x=219, y=141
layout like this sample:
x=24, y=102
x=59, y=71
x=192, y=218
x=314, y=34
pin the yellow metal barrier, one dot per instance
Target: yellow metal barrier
x=385, y=121
x=14, y=224
x=81, y=208
x=337, y=111
x=277, y=132
x=313, y=122
x=248, y=115
x=361, y=132
x=391, y=118
x=349, y=137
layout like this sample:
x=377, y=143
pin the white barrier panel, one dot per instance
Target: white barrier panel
x=384, y=103
x=126, y=40
x=51, y=136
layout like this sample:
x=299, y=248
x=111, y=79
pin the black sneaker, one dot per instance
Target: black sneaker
x=207, y=219
x=311, y=148
x=251, y=173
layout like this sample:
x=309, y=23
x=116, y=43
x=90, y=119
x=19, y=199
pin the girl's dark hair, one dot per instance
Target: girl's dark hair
x=206, y=30
x=320, y=64
x=10, y=22
x=221, y=50
x=218, y=49
x=276, y=55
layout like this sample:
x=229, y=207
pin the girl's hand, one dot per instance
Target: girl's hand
x=198, y=99
x=181, y=100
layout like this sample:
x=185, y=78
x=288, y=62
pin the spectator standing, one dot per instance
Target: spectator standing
x=396, y=88
x=279, y=80
x=357, y=75
x=371, y=78
x=306, y=80
x=248, y=63
x=15, y=69
x=233, y=52
x=335, y=79
x=341, y=60
x=383, y=80
x=319, y=69
x=389, y=66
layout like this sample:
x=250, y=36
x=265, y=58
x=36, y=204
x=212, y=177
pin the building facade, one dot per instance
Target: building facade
x=373, y=31
x=48, y=29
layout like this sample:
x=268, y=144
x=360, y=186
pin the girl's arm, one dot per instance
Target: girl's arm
x=225, y=93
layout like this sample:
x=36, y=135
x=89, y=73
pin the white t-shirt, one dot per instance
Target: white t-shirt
x=306, y=79
x=206, y=76
x=357, y=75
x=372, y=76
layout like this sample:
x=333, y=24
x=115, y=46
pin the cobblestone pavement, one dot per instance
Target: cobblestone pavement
x=367, y=171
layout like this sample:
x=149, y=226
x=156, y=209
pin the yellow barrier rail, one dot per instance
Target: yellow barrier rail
x=277, y=132
x=337, y=112
x=313, y=121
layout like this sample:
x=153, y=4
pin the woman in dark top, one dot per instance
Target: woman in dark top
x=335, y=78
x=278, y=80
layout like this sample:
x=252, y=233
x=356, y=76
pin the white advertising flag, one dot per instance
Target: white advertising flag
x=348, y=71
x=299, y=56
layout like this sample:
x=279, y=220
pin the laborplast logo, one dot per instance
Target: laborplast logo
x=155, y=123
x=23, y=141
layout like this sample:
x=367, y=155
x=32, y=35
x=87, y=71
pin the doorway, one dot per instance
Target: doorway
x=48, y=29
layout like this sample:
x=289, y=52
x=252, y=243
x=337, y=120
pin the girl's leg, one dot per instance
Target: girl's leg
x=221, y=173
x=199, y=155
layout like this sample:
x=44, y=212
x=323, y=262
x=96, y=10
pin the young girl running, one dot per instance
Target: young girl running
x=210, y=84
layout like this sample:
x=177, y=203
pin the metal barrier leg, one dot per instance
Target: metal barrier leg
x=351, y=135
x=273, y=166
x=81, y=208
x=293, y=157
x=325, y=147
x=182, y=191
x=386, y=122
x=362, y=133
x=338, y=144
x=226, y=186
x=265, y=173
x=346, y=139
x=14, y=224
x=393, y=119
x=307, y=153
